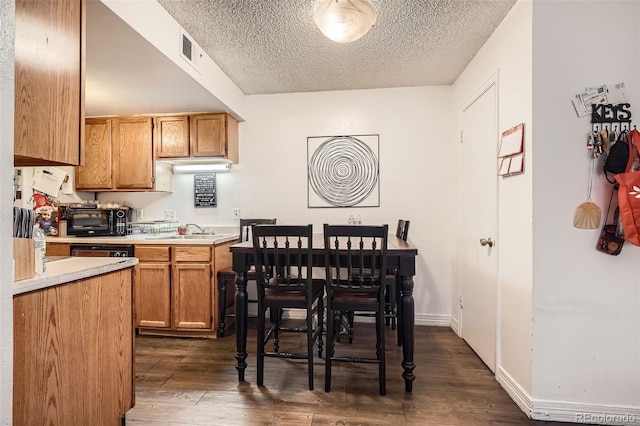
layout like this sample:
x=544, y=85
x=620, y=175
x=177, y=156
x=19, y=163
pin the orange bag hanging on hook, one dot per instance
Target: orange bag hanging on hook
x=629, y=193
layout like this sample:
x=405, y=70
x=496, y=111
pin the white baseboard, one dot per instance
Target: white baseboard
x=566, y=411
x=455, y=326
x=561, y=411
x=438, y=320
x=514, y=390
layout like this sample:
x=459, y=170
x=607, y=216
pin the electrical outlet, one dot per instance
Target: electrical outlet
x=139, y=214
x=170, y=214
x=236, y=214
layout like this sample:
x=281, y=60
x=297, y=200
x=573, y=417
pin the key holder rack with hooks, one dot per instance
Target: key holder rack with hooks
x=611, y=117
x=608, y=123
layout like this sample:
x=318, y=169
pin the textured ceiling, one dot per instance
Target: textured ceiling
x=273, y=46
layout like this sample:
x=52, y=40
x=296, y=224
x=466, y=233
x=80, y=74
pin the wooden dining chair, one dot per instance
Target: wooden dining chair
x=284, y=272
x=356, y=264
x=392, y=295
x=226, y=279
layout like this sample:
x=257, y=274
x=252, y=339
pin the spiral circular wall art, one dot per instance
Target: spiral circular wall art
x=343, y=170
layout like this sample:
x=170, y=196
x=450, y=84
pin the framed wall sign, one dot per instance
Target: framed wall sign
x=511, y=152
x=204, y=190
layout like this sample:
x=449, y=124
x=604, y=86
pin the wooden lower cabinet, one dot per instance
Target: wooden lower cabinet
x=174, y=288
x=153, y=295
x=58, y=249
x=191, y=298
x=73, y=352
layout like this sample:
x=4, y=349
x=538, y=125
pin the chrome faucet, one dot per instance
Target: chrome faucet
x=197, y=226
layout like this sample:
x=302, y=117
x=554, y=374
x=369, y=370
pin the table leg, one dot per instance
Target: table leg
x=241, y=323
x=407, y=310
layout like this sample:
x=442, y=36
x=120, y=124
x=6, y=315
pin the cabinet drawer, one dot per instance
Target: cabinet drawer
x=192, y=254
x=153, y=253
x=58, y=249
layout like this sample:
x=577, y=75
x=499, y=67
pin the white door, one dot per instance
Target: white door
x=477, y=250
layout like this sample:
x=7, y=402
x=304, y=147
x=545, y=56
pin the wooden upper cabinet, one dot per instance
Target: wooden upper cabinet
x=134, y=166
x=49, y=82
x=119, y=156
x=214, y=135
x=172, y=136
x=96, y=173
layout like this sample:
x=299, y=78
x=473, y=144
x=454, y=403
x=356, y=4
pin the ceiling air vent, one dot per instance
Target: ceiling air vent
x=189, y=50
x=187, y=47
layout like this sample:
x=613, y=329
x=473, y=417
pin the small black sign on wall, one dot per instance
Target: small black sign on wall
x=204, y=190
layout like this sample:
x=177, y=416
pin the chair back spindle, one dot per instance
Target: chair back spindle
x=356, y=260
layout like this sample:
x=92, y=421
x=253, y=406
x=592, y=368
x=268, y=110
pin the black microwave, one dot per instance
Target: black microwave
x=97, y=221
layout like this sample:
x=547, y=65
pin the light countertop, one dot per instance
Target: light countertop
x=171, y=238
x=67, y=269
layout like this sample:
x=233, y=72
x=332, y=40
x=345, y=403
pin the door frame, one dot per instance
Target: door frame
x=492, y=81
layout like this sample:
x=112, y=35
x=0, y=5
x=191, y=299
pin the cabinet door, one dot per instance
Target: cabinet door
x=58, y=249
x=49, y=82
x=192, y=296
x=152, y=295
x=172, y=136
x=133, y=150
x=96, y=172
x=208, y=135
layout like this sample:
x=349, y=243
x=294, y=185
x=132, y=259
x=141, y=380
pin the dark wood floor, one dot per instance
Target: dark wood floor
x=194, y=382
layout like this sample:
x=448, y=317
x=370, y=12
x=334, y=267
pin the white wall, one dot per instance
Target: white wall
x=586, y=330
x=508, y=52
x=7, y=25
x=415, y=126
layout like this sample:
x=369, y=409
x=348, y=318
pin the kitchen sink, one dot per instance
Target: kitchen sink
x=188, y=237
x=202, y=236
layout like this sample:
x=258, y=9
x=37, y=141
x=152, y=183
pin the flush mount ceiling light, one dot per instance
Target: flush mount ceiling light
x=344, y=20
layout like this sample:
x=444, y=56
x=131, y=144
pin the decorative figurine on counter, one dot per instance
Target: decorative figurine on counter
x=47, y=217
x=45, y=221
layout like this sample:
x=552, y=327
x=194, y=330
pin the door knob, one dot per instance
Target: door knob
x=486, y=242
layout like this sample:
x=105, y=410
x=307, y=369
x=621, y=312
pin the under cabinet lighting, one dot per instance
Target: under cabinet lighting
x=194, y=168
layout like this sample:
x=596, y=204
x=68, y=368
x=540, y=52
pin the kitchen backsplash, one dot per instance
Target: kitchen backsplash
x=163, y=205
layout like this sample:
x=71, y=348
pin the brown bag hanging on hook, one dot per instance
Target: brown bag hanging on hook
x=609, y=242
x=629, y=193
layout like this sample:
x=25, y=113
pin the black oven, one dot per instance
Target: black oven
x=96, y=222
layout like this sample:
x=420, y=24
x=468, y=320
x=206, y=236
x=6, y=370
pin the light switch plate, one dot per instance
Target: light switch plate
x=139, y=214
x=170, y=214
x=236, y=213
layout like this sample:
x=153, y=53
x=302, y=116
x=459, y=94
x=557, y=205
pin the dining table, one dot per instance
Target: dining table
x=401, y=256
